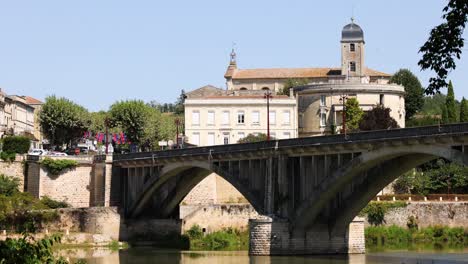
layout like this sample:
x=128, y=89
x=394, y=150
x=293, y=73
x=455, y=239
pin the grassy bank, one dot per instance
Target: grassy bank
x=430, y=237
x=226, y=239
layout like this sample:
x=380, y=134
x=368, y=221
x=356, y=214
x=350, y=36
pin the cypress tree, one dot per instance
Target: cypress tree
x=444, y=115
x=463, y=111
x=450, y=105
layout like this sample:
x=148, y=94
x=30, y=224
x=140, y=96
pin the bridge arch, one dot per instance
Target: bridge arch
x=379, y=167
x=183, y=177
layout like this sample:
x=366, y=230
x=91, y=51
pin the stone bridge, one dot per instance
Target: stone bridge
x=308, y=189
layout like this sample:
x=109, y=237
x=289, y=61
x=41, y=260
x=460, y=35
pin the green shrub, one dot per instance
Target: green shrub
x=53, y=204
x=31, y=251
x=226, y=239
x=195, y=232
x=8, y=185
x=16, y=144
x=7, y=156
x=376, y=211
x=56, y=166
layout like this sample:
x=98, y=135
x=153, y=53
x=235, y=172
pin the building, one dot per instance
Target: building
x=319, y=105
x=215, y=116
x=19, y=115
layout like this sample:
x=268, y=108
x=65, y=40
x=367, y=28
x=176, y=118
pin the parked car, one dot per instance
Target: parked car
x=37, y=152
x=56, y=153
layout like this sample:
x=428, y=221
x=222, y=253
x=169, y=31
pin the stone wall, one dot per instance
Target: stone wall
x=82, y=186
x=452, y=214
x=14, y=169
x=215, y=217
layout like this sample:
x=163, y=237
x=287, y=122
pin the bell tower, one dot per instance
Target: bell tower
x=352, y=52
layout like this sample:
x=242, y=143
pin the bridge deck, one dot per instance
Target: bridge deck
x=360, y=137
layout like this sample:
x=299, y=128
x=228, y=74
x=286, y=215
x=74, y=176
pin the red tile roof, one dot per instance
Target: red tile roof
x=284, y=73
x=31, y=100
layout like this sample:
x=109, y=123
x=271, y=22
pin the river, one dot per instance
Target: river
x=144, y=255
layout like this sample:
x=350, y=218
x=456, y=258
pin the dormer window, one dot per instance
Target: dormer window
x=352, y=47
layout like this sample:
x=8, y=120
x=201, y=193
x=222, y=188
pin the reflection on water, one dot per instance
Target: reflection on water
x=151, y=255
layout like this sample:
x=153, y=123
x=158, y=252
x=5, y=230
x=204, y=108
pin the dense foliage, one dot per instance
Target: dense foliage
x=132, y=117
x=226, y=239
x=16, y=144
x=63, y=121
x=451, y=105
x=414, y=92
x=378, y=118
x=463, y=110
x=21, y=212
x=27, y=250
x=291, y=83
x=438, y=176
x=398, y=236
x=251, y=138
x=354, y=114
x=445, y=43
x=57, y=166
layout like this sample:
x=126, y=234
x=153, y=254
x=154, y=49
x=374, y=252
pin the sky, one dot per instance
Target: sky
x=98, y=52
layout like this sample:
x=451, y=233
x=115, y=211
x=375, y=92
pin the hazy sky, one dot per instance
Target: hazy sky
x=98, y=51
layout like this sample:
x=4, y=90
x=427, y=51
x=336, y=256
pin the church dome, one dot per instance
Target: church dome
x=352, y=33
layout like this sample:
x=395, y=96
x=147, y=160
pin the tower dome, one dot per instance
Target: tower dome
x=352, y=33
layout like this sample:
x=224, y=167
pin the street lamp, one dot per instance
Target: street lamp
x=106, y=123
x=268, y=96
x=177, y=123
x=343, y=99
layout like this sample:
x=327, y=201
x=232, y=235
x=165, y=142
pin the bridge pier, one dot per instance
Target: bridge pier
x=272, y=236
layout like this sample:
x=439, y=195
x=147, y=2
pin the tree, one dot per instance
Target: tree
x=353, y=114
x=451, y=105
x=291, y=83
x=414, y=92
x=463, y=111
x=250, y=138
x=62, y=120
x=444, y=44
x=378, y=118
x=132, y=116
x=445, y=119
x=179, y=106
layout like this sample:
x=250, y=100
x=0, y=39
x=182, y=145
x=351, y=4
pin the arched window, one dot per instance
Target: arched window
x=265, y=89
x=243, y=89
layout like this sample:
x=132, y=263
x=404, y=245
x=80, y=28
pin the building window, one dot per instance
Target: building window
x=211, y=139
x=323, y=119
x=301, y=120
x=240, y=117
x=272, y=135
x=272, y=117
x=352, y=66
x=196, y=139
x=195, y=118
x=243, y=89
x=352, y=47
x=241, y=135
x=255, y=118
x=323, y=101
x=286, y=117
x=287, y=135
x=226, y=138
x=381, y=99
x=225, y=117
x=211, y=118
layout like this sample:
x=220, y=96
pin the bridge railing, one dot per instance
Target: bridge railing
x=414, y=132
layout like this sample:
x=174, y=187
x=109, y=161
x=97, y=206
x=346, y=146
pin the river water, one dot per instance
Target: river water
x=144, y=255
